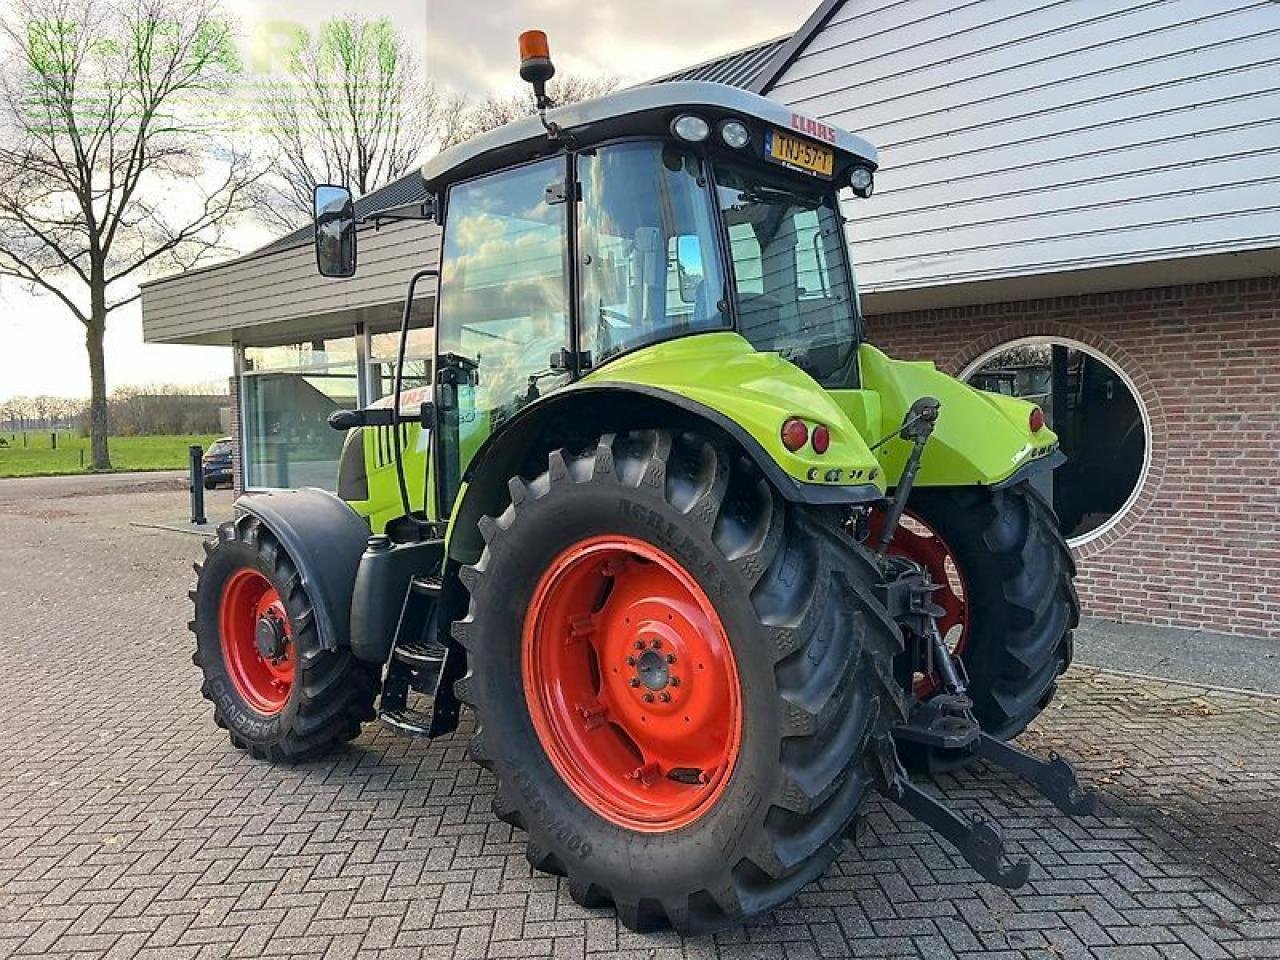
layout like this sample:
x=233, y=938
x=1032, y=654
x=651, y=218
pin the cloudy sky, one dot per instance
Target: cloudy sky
x=467, y=45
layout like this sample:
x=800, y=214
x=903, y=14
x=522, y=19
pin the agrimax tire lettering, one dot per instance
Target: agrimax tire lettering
x=679, y=544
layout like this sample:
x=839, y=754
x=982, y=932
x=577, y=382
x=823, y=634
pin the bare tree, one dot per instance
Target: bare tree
x=495, y=111
x=352, y=109
x=110, y=164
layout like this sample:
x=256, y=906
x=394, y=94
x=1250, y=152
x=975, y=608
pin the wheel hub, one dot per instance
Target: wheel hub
x=631, y=684
x=652, y=670
x=269, y=637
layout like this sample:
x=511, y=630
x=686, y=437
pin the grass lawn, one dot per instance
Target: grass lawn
x=38, y=458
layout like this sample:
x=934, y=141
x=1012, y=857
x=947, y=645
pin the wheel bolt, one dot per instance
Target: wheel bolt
x=671, y=658
x=639, y=644
x=631, y=661
x=666, y=697
x=635, y=681
x=648, y=698
x=674, y=681
x=657, y=644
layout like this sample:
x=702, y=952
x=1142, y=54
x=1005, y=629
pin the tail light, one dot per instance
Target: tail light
x=795, y=434
x=821, y=439
x=1036, y=420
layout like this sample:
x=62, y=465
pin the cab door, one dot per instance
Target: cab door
x=504, y=307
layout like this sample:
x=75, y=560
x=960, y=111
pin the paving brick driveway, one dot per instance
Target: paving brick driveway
x=129, y=827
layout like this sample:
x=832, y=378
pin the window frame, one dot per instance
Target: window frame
x=709, y=156
x=569, y=254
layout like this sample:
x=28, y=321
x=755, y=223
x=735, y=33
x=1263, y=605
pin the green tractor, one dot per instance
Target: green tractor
x=705, y=565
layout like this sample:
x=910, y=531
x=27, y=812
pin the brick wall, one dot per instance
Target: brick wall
x=1201, y=544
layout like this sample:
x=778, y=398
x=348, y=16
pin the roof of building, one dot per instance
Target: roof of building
x=791, y=47
x=737, y=69
x=740, y=68
x=408, y=189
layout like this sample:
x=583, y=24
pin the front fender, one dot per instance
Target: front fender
x=324, y=538
x=981, y=438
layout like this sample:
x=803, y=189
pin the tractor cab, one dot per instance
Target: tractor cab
x=655, y=213
x=580, y=236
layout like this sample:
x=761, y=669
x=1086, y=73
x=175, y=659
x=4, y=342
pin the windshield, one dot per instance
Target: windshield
x=793, y=290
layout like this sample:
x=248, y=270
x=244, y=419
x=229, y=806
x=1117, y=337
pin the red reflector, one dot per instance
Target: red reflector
x=1036, y=421
x=794, y=434
x=821, y=439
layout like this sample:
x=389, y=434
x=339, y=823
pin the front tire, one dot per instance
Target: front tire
x=275, y=689
x=765, y=606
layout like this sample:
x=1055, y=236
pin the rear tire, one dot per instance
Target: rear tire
x=294, y=707
x=813, y=651
x=1019, y=593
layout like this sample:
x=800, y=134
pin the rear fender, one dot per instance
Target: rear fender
x=981, y=438
x=751, y=393
x=577, y=415
x=324, y=538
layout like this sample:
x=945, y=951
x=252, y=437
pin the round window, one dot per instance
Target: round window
x=1099, y=418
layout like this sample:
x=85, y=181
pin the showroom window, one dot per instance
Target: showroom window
x=288, y=393
x=382, y=360
x=1093, y=406
x=384, y=342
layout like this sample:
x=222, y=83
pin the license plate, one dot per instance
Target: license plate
x=799, y=154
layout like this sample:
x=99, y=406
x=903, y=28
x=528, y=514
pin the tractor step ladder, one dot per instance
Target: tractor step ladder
x=416, y=665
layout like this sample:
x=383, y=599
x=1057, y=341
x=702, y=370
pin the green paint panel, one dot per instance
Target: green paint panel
x=758, y=391
x=981, y=438
x=383, y=504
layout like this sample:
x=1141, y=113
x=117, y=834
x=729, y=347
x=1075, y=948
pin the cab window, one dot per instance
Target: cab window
x=648, y=263
x=504, y=288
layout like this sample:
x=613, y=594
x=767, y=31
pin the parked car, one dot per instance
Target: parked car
x=217, y=463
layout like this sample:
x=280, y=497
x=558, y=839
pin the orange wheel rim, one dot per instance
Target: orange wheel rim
x=631, y=684
x=257, y=641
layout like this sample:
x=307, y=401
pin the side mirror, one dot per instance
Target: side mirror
x=334, y=213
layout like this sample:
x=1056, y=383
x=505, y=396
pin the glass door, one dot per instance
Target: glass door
x=504, y=306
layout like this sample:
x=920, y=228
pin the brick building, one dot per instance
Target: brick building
x=1201, y=541
x=1076, y=201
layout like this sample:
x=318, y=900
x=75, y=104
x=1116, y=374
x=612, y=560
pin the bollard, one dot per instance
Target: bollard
x=82, y=458
x=195, y=452
x=53, y=441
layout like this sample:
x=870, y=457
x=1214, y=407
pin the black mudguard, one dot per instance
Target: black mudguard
x=324, y=538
